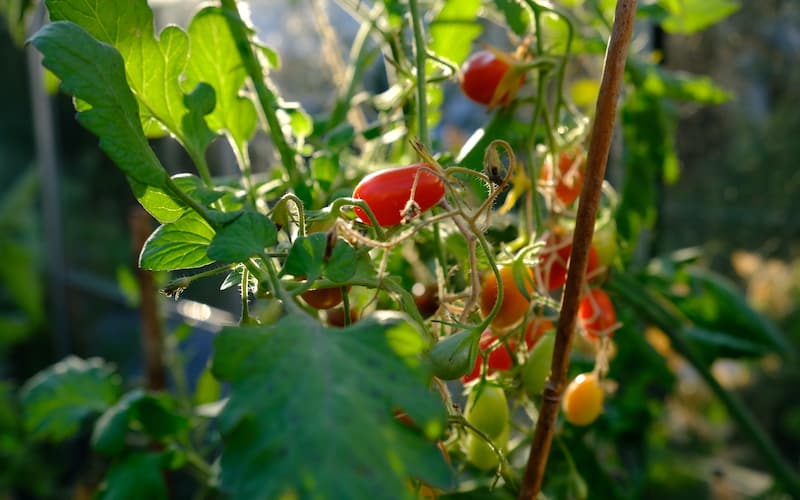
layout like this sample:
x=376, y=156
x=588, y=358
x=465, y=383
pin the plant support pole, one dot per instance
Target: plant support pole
x=599, y=146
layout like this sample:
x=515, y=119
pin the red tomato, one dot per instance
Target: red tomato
x=514, y=305
x=388, y=191
x=499, y=358
x=555, y=261
x=569, y=179
x=323, y=298
x=596, y=314
x=482, y=78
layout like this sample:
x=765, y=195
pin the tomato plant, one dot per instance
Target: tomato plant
x=597, y=315
x=490, y=77
x=421, y=296
x=583, y=399
x=392, y=193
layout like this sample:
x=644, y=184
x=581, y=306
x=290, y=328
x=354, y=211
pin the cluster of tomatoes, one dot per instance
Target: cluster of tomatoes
x=397, y=196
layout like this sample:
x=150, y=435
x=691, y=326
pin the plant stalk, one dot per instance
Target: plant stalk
x=420, y=59
x=602, y=132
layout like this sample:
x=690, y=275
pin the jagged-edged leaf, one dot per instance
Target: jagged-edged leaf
x=154, y=65
x=162, y=205
x=94, y=72
x=214, y=59
x=178, y=245
x=307, y=255
x=245, y=237
x=58, y=399
x=155, y=413
x=136, y=476
x=299, y=392
x=454, y=28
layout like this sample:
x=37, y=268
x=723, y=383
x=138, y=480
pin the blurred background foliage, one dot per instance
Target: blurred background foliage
x=735, y=199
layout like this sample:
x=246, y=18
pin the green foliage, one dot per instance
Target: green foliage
x=319, y=389
x=182, y=244
x=245, y=237
x=136, y=476
x=59, y=399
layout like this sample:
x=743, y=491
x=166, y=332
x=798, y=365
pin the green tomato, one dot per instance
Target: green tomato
x=487, y=409
x=605, y=242
x=537, y=367
x=452, y=356
x=480, y=454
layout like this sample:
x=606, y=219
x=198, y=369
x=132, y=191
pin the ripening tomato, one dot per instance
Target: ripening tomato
x=323, y=298
x=515, y=303
x=583, y=399
x=335, y=317
x=489, y=77
x=554, y=261
x=387, y=192
x=499, y=358
x=596, y=314
x=480, y=455
x=569, y=178
x=605, y=241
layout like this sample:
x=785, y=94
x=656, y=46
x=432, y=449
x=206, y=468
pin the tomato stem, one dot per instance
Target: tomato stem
x=602, y=131
x=420, y=57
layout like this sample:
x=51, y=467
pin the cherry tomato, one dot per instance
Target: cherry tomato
x=323, y=298
x=487, y=409
x=569, y=179
x=596, y=314
x=605, y=242
x=485, y=74
x=387, y=192
x=480, y=454
x=537, y=368
x=583, y=399
x=554, y=262
x=514, y=305
x=499, y=358
x=426, y=298
x=335, y=316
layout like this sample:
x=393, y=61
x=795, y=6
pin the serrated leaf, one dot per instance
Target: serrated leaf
x=153, y=65
x=161, y=204
x=689, y=16
x=215, y=59
x=454, y=28
x=58, y=399
x=316, y=388
x=94, y=73
x=245, y=237
x=515, y=14
x=306, y=257
x=342, y=263
x=136, y=476
x=178, y=245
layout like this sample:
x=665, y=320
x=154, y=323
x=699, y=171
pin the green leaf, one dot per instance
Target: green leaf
x=300, y=392
x=724, y=319
x=154, y=66
x=137, y=476
x=178, y=245
x=454, y=28
x=307, y=256
x=161, y=204
x=245, y=237
x=58, y=399
x=155, y=413
x=214, y=59
x=689, y=16
x=343, y=262
x=516, y=15
x=656, y=81
x=94, y=73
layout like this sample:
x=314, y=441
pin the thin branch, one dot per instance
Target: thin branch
x=602, y=132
